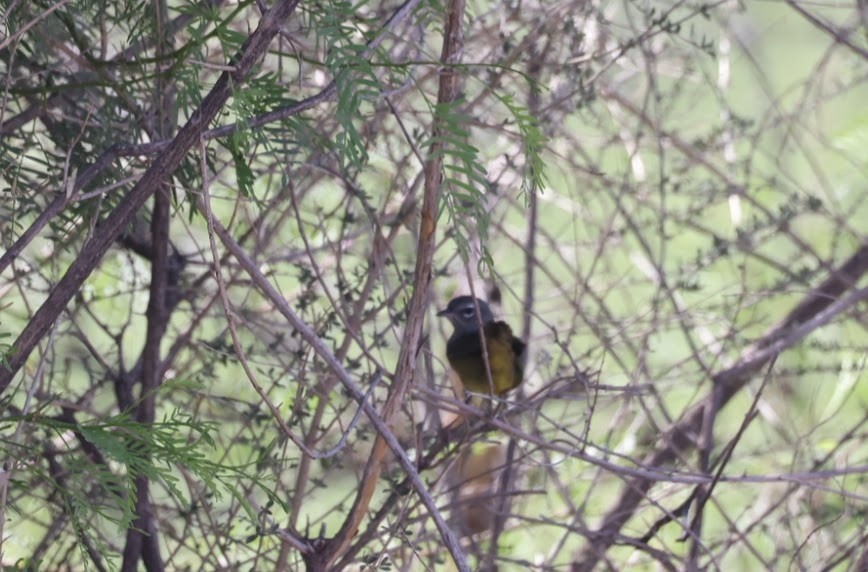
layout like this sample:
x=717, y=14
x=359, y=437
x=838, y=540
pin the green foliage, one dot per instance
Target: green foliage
x=533, y=142
x=465, y=186
x=95, y=492
x=351, y=70
x=243, y=173
x=5, y=350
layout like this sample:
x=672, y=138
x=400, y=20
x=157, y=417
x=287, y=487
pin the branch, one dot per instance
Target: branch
x=159, y=172
x=143, y=536
x=62, y=199
x=322, y=350
x=839, y=35
x=818, y=308
x=453, y=43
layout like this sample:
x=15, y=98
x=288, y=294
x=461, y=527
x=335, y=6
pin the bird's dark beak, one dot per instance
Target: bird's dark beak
x=443, y=313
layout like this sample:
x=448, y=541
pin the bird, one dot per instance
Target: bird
x=506, y=353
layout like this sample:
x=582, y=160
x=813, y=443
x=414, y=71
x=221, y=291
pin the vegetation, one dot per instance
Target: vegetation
x=226, y=228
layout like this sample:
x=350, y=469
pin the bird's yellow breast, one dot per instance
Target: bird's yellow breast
x=467, y=359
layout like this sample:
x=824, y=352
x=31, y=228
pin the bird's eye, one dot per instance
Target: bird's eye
x=468, y=313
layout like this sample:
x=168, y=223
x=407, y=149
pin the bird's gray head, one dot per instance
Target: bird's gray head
x=461, y=312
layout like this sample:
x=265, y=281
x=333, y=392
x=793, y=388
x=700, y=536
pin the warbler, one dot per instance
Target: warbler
x=464, y=348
